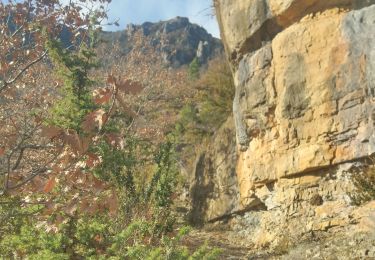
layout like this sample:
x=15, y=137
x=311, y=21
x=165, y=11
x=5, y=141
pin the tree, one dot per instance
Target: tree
x=72, y=183
x=194, y=69
x=211, y=104
x=215, y=93
x=164, y=89
x=26, y=150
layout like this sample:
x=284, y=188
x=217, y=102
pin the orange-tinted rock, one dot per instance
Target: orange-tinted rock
x=304, y=101
x=304, y=111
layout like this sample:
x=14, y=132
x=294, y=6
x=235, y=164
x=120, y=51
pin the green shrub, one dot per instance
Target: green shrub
x=99, y=237
x=216, y=93
x=194, y=68
x=144, y=227
x=76, y=101
x=144, y=182
x=210, y=107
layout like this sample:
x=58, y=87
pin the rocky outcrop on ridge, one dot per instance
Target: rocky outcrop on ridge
x=177, y=40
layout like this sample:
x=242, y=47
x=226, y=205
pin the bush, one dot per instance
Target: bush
x=144, y=227
x=194, y=68
x=211, y=105
x=142, y=177
x=216, y=93
x=64, y=216
x=76, y=101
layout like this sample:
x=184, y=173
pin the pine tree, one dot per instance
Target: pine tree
x=194, y=69
x=73, y=68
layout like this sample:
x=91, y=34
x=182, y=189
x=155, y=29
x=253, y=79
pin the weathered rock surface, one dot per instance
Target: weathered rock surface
x=307, y=98
x=304, y=112
x=178, y=40
x=214, y=189
x=246, y=25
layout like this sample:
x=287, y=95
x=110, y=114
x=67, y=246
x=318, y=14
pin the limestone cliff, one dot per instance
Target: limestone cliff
x=214, y=189
x=304, y=112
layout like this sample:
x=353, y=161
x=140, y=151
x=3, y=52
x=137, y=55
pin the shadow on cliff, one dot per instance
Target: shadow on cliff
x=200, y=191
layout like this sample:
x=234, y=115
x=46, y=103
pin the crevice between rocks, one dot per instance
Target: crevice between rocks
x=320, y=170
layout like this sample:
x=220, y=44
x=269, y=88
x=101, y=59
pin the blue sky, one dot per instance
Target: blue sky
x=140, y=11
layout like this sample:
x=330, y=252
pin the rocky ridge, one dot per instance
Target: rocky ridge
x=177, y=40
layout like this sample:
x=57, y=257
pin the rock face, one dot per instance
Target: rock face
x=179, y=40
x=214, y=189
x=304, y=108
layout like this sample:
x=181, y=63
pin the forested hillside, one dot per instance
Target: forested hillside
x=91, y=123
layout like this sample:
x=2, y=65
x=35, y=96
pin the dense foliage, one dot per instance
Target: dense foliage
x=73, y=68
x=78, y=182
x=211, y=105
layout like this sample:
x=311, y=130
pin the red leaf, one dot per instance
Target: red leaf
x=130, y=87
x=94, y=119
x=97, y=185
x=84, y=144
x=92, y=160
x=111, y=79
x=85, y=204
x=51, y=132
x=88, y=125
x=78, y=144
x=102, y=96
x=2, y=151
x=114, y=140
x=50, y=185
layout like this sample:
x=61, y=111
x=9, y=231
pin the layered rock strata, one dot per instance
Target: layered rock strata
x=304, y=108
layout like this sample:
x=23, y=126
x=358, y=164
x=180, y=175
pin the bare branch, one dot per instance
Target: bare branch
x=29, y=146
x=19, y=74
x=35, y=173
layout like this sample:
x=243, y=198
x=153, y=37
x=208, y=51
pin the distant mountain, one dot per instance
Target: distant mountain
x=177, y=40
